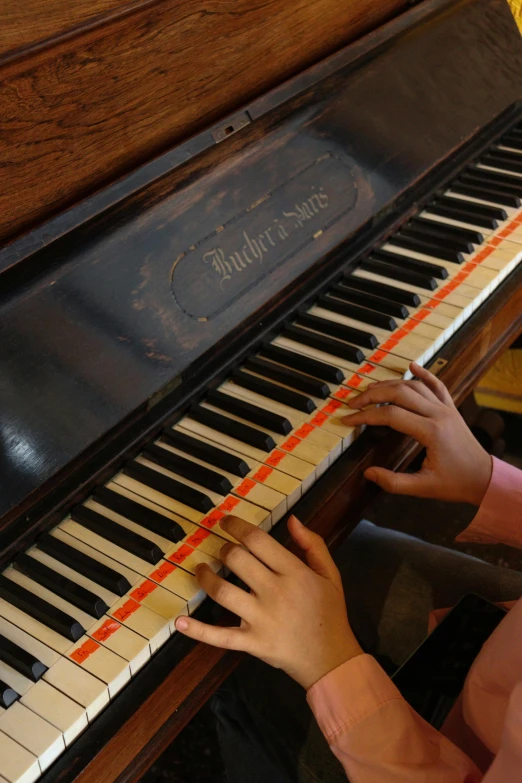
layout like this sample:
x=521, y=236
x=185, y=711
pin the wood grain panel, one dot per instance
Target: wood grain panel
x=77, y=115
x=31, y=22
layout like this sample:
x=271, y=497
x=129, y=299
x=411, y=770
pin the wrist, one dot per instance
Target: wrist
x=313, y=673
x=479, y=481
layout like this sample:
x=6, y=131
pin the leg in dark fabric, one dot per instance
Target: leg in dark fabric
x=391, y=581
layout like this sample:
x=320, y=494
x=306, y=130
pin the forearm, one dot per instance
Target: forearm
x=376, y=735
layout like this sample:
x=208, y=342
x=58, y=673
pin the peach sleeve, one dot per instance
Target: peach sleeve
x=499, y=518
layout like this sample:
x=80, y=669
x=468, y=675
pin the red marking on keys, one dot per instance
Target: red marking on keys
x=212, y=519
x=145, y=589
x=125, y=611
x=366, y=369
x=275, y=458
x=332, y=406
x=377, y=357
x=82, y=653
x=181, y=554
x=229, y=504
x=319, y=419
x=263, y=473
x=304, y=431
x=389, y=344
x=343, y=393
x=422, y=314
x=198, y=537
x=163, y=571
x=104, y=631
x=291, y=443
x=244, y=488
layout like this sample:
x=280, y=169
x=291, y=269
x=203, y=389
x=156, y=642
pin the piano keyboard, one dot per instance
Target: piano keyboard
x=87, y=606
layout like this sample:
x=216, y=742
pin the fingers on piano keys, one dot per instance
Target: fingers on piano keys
x=84, y=609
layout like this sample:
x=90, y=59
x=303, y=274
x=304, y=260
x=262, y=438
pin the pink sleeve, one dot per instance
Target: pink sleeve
x=499, y=518
x=507, y=765
x=377, y=736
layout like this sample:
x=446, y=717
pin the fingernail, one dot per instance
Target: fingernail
x=223, y=521
x=182, y=624
x=299, y=523
x=370, y=474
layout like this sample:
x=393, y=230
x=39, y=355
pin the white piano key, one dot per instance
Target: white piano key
x=17, y=765
x=32, y=732
x=56, y=708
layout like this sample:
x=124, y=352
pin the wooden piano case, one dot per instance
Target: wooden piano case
x=112, y=316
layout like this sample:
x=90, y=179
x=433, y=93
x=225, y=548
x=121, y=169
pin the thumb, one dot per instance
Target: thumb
x=315, y=551
x=414, y=484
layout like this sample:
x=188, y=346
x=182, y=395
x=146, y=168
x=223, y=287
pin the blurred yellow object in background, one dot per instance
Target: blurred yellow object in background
x=501, y=386
x=516, y=7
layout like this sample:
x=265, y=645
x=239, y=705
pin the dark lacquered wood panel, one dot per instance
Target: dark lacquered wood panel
x=78, y=114
x=92, y=328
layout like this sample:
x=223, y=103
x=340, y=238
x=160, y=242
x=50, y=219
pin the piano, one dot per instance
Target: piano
x=180, y=343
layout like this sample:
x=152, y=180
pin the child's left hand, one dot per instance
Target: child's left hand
x=294, y=618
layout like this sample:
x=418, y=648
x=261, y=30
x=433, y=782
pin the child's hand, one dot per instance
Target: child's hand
x=294, y=618
x=456, y=467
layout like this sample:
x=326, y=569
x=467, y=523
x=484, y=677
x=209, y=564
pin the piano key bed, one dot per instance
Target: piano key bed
x=89, y=604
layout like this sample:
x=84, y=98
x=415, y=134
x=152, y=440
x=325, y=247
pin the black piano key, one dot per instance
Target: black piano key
x=313, y=367
x=77, y=595
x=235, y=429
x=292, y=399
x=249, y=412
x=512, y=140
x=395, y=272
x=503, y=159
x=482, y=210
x=328, y=344
x=296, y=380
x=486, y=194
x=146, y=517
x=465, y=234
x=368, y=301
x=168, y=486
x=40, y=610
x=367, y=316
x=88, y=566
x=408, y=298
x=481, y=182
x=118, y=534
x=190, y=470
x=20, y=660
x=463, y=216
x=413, y=264
x=493, y=178
x=7, y=695
x=206, y=452
x=428, y=248
x=347, y=333
x=425, y=234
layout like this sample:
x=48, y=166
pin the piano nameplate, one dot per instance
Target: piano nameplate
x=224, y=265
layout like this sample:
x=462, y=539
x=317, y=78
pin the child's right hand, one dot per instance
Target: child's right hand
x=456, y=467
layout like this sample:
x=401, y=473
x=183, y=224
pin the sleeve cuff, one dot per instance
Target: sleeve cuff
x=499, y=518
x=349, y=694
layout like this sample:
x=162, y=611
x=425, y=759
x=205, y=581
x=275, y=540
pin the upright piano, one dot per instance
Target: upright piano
x=179, y=340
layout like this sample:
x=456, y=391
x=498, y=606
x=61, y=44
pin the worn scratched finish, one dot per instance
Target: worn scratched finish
x=134, y=78
x=90, y=328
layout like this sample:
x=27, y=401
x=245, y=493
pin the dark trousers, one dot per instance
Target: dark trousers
x=266, y=730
